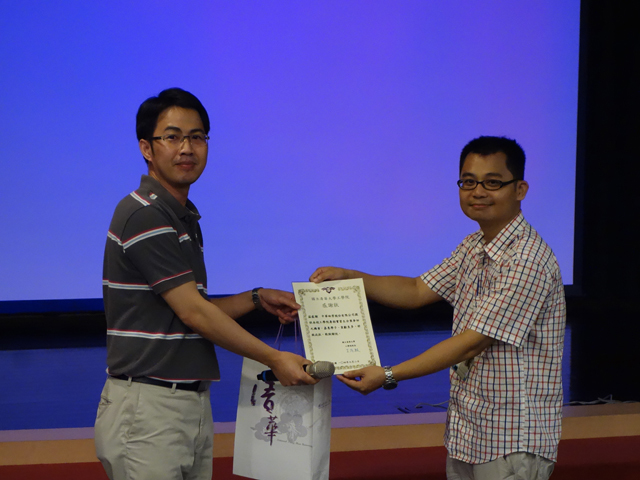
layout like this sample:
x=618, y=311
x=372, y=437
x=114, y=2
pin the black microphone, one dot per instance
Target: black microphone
x=316, y=370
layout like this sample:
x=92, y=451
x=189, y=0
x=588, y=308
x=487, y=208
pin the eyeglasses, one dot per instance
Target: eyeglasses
x=176, y=139
x=488, y=184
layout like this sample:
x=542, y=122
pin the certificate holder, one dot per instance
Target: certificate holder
x=335, y=324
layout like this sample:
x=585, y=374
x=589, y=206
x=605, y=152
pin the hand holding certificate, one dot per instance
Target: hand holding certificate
x=335, y=323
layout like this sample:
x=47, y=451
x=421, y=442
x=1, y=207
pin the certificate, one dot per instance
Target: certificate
x=335, y=324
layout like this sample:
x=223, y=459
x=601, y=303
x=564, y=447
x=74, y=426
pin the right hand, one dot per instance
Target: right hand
x=287, y=367
x=329, y=273
x=365, y=380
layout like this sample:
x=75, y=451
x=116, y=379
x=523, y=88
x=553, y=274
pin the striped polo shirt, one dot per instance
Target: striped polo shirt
x=154, y=244
x=510, y=290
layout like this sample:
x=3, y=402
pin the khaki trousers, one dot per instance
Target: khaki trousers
x=515, y=466
x=146, y=432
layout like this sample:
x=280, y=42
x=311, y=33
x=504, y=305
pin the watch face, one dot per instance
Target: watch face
x=390, y=386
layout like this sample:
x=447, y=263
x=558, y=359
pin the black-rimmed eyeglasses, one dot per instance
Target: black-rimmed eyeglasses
x=488, y=184
x=176, y=139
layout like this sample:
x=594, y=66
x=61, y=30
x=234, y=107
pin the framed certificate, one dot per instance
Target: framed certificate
x=335, y=324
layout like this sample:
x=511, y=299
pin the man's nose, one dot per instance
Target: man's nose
x=185, y=146
x=479, y=191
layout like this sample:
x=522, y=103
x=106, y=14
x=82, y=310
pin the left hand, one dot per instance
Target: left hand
x=364, y=380
x=279, y=303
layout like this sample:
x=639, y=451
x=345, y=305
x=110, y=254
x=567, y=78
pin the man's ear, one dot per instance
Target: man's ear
x=145, y=148
x=521, y=189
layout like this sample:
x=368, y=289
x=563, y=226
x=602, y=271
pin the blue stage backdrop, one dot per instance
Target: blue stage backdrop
x=336, y=129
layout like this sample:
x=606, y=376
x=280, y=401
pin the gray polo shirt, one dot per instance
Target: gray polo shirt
x=154, y=244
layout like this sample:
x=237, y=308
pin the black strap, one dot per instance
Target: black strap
x=192, y=387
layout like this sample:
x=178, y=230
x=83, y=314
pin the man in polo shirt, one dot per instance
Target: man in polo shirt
x=154, y=418
x=505, y=353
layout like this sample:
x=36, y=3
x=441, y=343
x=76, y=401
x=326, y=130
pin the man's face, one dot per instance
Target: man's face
x=493, y=210
x=176, y=167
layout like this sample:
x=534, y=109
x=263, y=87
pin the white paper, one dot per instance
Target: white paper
x=335, y=324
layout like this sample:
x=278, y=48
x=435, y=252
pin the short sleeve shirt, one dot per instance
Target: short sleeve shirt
x=154, y=244
x=511, y=290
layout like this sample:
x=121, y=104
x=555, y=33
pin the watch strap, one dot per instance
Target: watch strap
x=255, y=298
x=389, y=380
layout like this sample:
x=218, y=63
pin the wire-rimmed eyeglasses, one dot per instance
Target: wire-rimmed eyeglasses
x=176, y=139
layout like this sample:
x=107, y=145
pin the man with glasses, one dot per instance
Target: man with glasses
x=154, y=419
x=505, y=352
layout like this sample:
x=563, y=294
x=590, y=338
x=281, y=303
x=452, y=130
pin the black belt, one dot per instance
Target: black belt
x=199, y=386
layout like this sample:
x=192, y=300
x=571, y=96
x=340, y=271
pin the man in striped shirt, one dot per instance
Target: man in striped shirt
x=154, y=419
x=505, y=353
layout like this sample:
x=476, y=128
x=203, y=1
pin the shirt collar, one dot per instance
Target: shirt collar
x=150, y=185
x=505, y=237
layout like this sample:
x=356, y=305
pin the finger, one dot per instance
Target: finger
x=354, y=385
x=288, y=315
x=286, y=320
x=353, y=374
x=291, y=303
x=309, y=380
x=345, y=380
x=318, y=275
x=305, y=378
x=286, y=301
x=348, y=381
x=285, y=316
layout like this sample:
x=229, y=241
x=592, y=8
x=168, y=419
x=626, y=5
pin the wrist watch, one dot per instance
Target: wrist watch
x=256, y=298
x=389, y=381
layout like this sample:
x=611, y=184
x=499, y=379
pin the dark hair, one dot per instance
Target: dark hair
x=487, y=145
x=151, y=108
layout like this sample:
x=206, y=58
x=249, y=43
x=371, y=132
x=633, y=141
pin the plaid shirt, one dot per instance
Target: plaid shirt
x=510, y=290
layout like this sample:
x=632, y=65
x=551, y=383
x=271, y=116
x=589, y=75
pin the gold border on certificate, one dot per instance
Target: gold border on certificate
x=335, y=323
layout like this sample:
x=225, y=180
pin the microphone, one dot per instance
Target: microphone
x=316, y=370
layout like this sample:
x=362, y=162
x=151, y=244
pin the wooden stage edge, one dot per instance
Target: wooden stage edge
x=376, y=432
